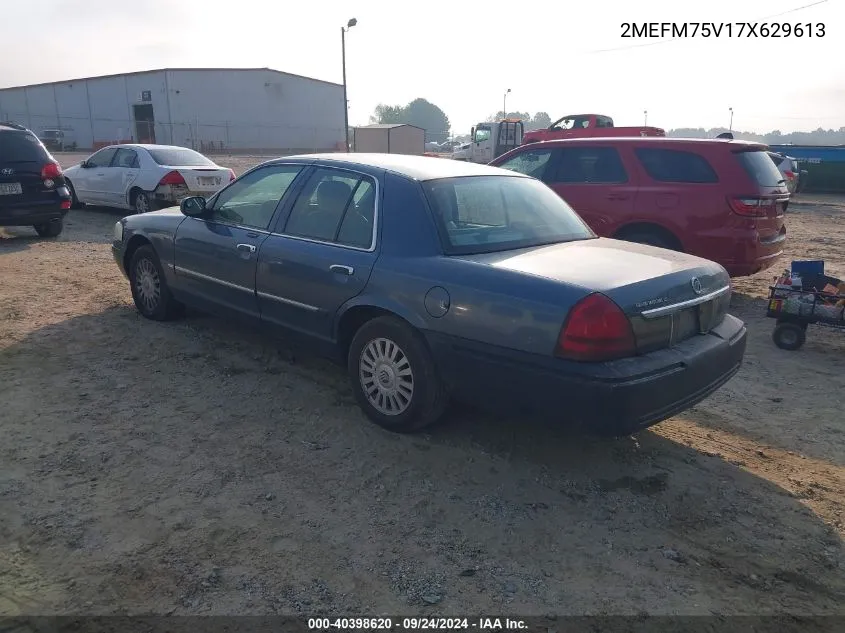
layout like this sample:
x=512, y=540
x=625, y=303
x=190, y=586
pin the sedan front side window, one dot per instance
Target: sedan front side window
x=252, y=200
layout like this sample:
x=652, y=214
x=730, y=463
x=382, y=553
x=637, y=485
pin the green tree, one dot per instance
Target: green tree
x=541, y=121
x=419, y=112
x=387, y=114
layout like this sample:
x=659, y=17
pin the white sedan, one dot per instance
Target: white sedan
x=144, y=177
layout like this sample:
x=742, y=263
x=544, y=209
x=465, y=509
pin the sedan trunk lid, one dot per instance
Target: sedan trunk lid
x=668, y=296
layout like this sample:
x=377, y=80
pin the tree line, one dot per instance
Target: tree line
x=422, y=113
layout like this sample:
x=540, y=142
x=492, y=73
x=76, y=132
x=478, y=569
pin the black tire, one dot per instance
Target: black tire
x=428, y=398
x=50, y=229
x=146, y=275
x=652, y=238
x=141, y=202
x=74, y=201
x=789, y=336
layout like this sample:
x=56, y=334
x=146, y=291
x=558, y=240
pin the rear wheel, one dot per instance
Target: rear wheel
x=789, y=336
x=141, y=201
x=652, y=238
x=394, y=377
x=50, y=229
x=149, y=287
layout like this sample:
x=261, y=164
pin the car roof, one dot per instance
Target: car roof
x=652, y=140
x=152, y=146
x=414, y=167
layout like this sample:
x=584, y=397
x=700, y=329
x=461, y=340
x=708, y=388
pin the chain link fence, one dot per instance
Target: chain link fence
x=232, y=137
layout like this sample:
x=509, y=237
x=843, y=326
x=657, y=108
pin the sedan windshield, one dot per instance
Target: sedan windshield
x=179, y=157
x=484, y=214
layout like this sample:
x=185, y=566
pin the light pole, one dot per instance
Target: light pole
x=505, y=105
x=731, y=127
x=645, y=114
x=343, y=31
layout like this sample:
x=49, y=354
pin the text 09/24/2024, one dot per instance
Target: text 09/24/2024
x=658, y=30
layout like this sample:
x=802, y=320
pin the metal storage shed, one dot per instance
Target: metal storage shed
x=394, y=138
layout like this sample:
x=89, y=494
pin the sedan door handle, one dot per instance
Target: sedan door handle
x=345, y=270
x=248, y=248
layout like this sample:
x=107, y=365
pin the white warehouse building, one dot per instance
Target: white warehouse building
x=209, y=109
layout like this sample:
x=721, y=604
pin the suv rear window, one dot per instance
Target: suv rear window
x=19, y=147
x=671, y=165
x=761, y=168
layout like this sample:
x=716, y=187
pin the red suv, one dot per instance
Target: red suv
x=723, y=200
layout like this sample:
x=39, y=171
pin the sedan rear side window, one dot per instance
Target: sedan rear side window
x=669, y=165
x=335, y=206
x=484, y=214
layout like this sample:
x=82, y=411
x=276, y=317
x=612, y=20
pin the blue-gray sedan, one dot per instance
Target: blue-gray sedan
x=433, y=279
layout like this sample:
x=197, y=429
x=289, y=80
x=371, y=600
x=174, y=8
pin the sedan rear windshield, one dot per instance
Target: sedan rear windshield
x=761, y=168
x=180, y=157
x=484, y=214
x=18, y=146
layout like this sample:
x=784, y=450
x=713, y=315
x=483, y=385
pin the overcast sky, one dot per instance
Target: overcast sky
x=463, y=54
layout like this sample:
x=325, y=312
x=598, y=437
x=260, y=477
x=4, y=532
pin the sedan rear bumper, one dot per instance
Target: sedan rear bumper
x=617, y=397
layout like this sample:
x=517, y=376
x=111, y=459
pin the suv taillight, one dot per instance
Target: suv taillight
x=596, y=330
x=50, y=171
x=752, y=207
x=172, y=178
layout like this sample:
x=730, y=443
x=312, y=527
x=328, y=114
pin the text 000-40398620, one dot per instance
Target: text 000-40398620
x=658, y=30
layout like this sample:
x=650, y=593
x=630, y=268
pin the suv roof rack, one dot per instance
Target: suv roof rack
x=12, y=124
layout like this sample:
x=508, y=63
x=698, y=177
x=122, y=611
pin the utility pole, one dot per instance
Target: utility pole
x=343, y=30
x=505, y=105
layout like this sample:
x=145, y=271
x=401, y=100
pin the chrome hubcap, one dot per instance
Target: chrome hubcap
x=386, y=376
x=147, y=284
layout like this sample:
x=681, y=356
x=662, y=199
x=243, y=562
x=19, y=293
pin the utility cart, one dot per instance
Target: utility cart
x=805, y=296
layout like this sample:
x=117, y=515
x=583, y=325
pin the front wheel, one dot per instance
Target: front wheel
x=149, y=287
x=74, y=200
x=789, y=336
x=394, y=377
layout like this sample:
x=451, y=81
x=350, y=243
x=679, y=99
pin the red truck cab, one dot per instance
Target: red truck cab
x=585, y=126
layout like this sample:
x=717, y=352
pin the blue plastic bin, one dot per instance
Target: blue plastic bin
x=808, y=267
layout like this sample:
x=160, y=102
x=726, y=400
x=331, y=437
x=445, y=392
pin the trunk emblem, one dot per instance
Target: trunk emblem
x=695, y=282
x=7, y=171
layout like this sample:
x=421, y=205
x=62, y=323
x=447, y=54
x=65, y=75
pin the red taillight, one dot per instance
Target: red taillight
x=65, y=204
x=790, y=174
x=50, y=171
x=231, y=175
x=172, y=178
x=596, y=330
x=751, y=207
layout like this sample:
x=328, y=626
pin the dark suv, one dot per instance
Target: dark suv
x=33, y=191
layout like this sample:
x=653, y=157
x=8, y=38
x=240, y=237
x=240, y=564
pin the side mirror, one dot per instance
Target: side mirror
x=193, y=207
x=84, y=164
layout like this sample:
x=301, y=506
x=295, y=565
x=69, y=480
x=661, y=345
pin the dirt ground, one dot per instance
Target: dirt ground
x=196, y=468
